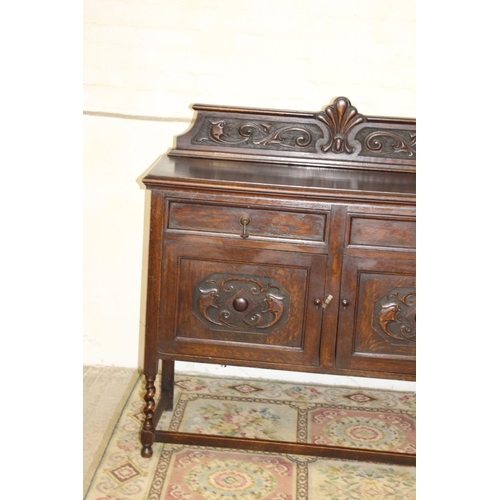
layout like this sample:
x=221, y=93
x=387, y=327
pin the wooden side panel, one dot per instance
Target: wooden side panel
x=155, y=259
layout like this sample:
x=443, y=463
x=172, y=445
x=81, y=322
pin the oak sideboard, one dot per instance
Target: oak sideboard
x=283, y=240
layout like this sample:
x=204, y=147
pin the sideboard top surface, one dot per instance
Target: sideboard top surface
x=269, y=178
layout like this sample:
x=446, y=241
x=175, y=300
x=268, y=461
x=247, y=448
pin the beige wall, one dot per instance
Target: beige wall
x=154, y=58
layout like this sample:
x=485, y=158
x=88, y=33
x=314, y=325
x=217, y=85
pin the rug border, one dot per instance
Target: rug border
x=88, y=479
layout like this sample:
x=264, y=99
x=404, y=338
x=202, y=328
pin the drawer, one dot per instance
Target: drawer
x=262, y=223
x=381, y=231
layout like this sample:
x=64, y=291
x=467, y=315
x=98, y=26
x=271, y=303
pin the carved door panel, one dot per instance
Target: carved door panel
x=232, y=303
x=377, y=316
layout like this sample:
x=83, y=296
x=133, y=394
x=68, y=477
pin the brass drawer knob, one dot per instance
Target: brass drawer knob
x=244, y=221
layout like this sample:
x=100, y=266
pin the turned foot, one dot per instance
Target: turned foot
x=147, y=451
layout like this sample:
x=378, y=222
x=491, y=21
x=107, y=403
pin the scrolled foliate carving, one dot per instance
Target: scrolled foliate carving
x=388, y=143
x=336, y=136
x=240, y=303
x=297, y=136
x=395, y=316
x=375, y=142
x=247, y=133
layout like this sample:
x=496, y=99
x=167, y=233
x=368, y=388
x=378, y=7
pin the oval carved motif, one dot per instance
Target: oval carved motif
x=240, y=303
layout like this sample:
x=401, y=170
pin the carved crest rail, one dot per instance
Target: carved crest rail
x=338, y=135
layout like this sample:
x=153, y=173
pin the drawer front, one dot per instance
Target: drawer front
x=262, y=223
x=381, y=231
x=232, y=304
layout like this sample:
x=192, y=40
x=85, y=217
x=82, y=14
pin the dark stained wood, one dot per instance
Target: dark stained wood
x=222, y=219
x=282, y=240
x=147, y=434
x=196, y=323
x=338, y=134
x=167, y=383
x=318, y=183
x=379, y=231
x=286, y=447
x=374, y=319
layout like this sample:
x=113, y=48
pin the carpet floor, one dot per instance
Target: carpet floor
x=338, y=416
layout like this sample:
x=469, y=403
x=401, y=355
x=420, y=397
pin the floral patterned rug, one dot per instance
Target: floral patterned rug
x=340, y=416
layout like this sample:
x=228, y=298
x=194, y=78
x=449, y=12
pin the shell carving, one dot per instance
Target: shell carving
x=340, y=118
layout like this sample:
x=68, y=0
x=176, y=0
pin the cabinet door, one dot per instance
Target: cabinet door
x=222, y=303
x=377, y=316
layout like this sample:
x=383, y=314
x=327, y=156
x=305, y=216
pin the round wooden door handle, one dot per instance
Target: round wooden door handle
x=240, y=304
